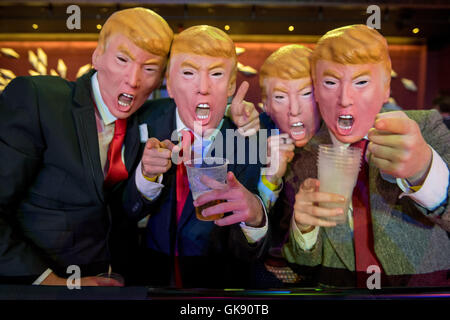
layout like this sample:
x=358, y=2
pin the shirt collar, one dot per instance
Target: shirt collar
x=181, y=126
x=105, y=114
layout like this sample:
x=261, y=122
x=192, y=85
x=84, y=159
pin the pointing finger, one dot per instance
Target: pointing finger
x=242, y=91
x=239, y=97
x=394, y=125
x=391, y=114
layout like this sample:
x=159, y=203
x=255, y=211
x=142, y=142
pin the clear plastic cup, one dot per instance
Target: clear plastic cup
x=338, y=169
x=212, y=167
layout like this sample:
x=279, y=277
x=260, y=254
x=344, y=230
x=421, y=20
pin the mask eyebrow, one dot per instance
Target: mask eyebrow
x=331, y=73
x=190, y=64
x=305, y=85
x=361, y=73
x=216, y=65
x=152, y=61
x=125, y=50
x=281, y=89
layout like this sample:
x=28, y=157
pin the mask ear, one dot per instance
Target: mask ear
x=231, y=88
x=263, y=103
x=95, y=58
x=314, y=90
x=169, y=85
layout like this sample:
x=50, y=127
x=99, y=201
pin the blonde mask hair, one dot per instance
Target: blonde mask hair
x=204, y=40
x=143, y=27
x=354, y=44
x=288, y=63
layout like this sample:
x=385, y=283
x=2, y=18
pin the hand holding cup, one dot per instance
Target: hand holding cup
x=243, y=204
x=308, y=213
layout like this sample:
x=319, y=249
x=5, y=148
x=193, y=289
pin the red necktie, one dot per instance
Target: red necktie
x=362, y=232
x=116, y=170
x=182, y=189
x=182, y=182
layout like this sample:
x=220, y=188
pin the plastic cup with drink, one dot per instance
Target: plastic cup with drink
x=338, y=169
x=201, y=169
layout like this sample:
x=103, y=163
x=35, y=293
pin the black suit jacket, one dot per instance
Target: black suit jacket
x=210, y=256
x=53, y=208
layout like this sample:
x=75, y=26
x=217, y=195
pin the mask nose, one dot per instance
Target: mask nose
x=134, y=77
x=346, y=96
x=203, y=86
x=294, y=107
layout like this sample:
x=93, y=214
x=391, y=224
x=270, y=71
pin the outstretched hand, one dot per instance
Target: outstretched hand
x=157, y=157
x=398, y=148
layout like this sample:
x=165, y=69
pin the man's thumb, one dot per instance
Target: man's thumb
x=152, y=143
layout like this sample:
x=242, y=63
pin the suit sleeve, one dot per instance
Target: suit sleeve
x=248, y=176
x=292, y=250
x=437, y=136
x=21, y=147
x=135, y=204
